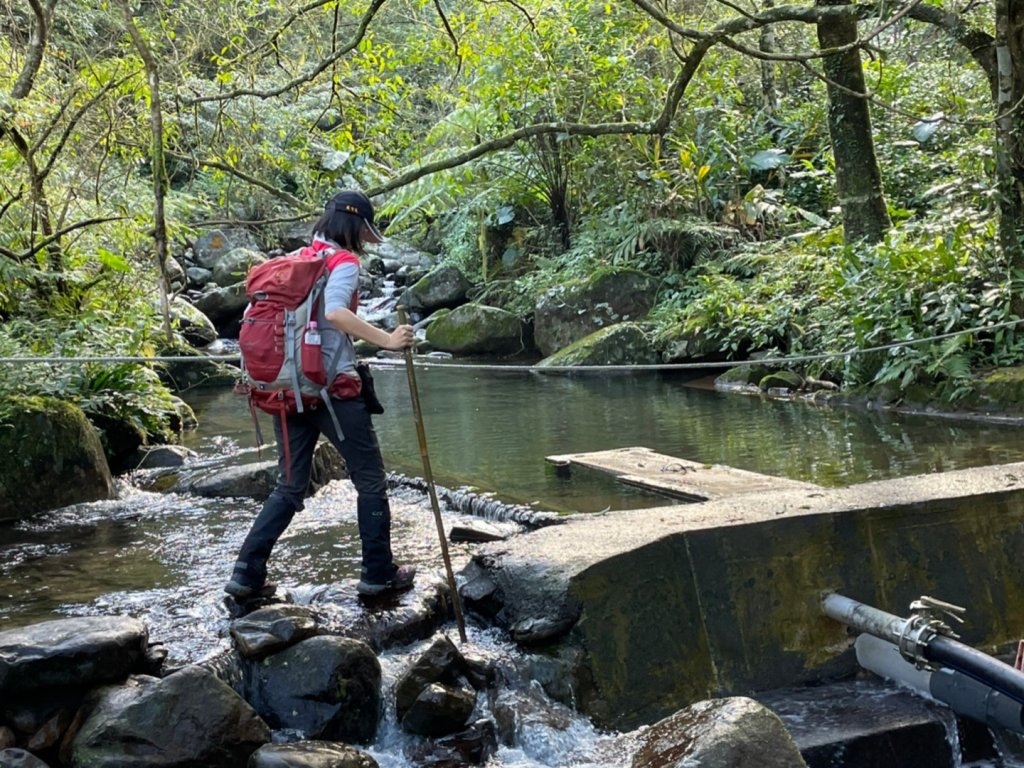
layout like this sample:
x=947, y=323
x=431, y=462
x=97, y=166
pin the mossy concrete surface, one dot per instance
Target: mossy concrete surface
x=678, y=604
x=51, y=457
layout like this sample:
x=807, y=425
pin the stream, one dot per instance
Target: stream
x=165, y=557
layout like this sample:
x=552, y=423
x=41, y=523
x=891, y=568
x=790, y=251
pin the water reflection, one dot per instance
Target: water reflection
x=492, y=429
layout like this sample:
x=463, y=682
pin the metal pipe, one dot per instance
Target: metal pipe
x=428, y=475
x=920, y=641
x=864, y=618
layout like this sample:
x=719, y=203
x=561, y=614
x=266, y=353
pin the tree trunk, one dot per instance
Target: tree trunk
x=1010, y=127
x=769, y=91
x=156, y=123
x=858, y=179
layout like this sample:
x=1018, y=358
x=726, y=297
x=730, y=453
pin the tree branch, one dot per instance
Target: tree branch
x=218, y=165
x=70, y=126
x=25, y=255
x=657, y=126
x=36, y=48
x=364, y=24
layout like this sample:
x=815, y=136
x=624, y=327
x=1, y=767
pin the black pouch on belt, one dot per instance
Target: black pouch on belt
x=368, y=393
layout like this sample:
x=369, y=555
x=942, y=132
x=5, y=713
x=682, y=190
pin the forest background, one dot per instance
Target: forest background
x=806, y=178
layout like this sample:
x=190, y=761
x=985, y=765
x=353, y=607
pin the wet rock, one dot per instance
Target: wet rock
x=475, y=532
x=442, y=662
x=742, y=377
x=621, y=344
x=326, y=687
x=60, y=459
x=19, y=758
x=402, y=254
x=50, y=734
x=397, y=619
x=310, y=754
x=70, y=653
x=254, y=481
x=473, y=746
x=439, y=710
x=529, y=598
x=328, y=465
x=569, y=313
x=272, y=629
x=197, y=370
x=720, y=733
x=476, y=329
x=189, y=718
x=517, y=711
x=162, y=456
x=7, y=737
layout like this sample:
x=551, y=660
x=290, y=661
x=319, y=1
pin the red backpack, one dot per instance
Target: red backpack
x=282, y=368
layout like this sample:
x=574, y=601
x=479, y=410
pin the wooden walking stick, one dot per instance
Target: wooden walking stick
x=429, y=477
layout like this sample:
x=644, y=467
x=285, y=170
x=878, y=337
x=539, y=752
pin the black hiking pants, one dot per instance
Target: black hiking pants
x=362, y=457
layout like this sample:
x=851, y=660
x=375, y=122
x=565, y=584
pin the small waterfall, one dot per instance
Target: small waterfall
x=468, y=502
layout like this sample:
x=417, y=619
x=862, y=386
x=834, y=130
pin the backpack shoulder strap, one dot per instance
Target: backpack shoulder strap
x=341, y=256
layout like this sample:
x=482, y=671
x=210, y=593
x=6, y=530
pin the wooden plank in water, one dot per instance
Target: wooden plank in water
x=678, y=478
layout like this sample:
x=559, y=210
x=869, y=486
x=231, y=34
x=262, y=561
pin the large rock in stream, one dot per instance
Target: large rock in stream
x=619, y=344
x=73, y=653
x=189, y=719
x=54, y=458
x=475, y=329
x=326, y=687
x=719, y=733
x=570, y=312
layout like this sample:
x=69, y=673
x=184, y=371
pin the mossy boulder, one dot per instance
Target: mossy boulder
x=477, y=329
x=743, y=376
x=53, y=458
x=621, y=344
x=568, y=313
x=781, y=380
x=443, y=287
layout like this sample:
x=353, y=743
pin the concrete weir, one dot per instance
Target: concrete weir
x=658, y=608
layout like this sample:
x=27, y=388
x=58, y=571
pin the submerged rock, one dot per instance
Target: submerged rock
x=272, y=629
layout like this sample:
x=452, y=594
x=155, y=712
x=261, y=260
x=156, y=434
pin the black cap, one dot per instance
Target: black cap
x=351, y=201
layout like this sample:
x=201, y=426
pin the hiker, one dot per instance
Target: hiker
x=340, y=234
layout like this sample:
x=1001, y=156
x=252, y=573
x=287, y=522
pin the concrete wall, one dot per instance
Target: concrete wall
x=682, y=603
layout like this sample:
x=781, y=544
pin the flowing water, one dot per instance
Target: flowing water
x=164, y=557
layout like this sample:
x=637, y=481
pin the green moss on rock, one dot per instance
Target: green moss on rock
x=621, y=344
x=477, y=329
x=53, y=458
